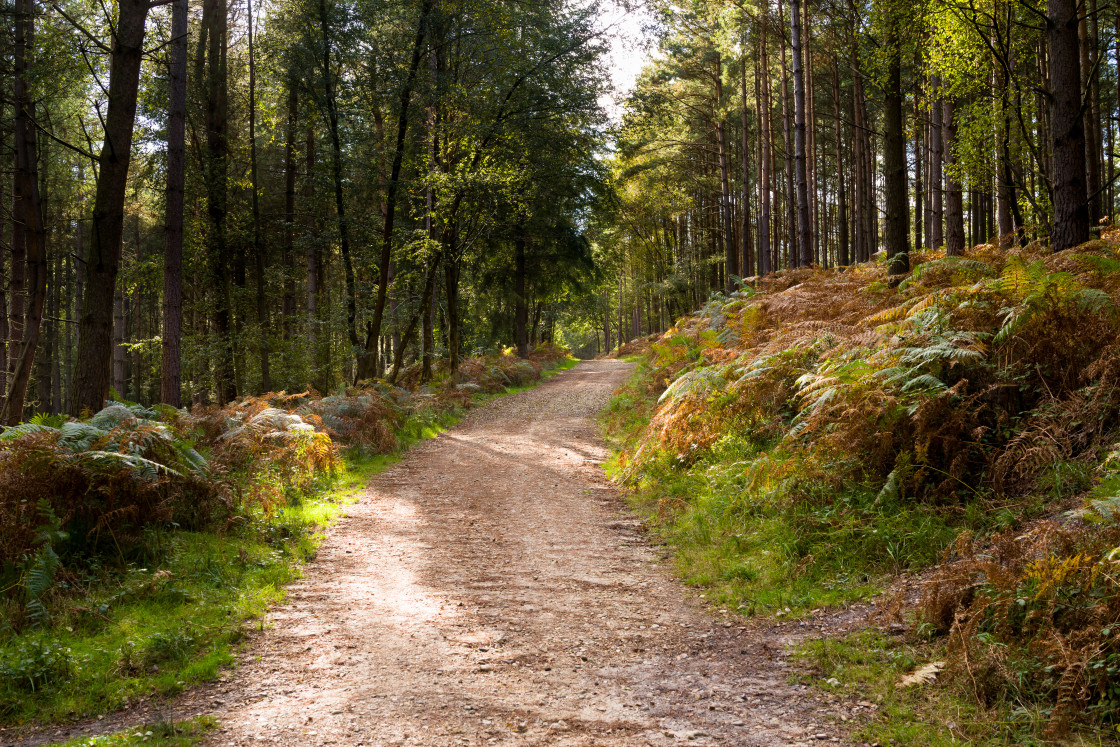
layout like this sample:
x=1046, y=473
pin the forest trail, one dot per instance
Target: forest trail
x=490, y=588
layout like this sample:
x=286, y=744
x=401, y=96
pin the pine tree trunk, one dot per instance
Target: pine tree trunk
x=258, y=244
x=27, y=177
x=804, y=226
x=843, y=250
x=954, y=204
x=368, y=362
x=171, y=355
x=215, y=19
x=1067, y=134
x=766, y=161
x=894, y=161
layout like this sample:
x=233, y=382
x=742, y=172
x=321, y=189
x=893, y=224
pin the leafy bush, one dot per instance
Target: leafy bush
x=36, y=664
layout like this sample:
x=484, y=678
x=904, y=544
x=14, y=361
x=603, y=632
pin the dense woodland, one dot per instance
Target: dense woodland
x=351, y=187
x=787, y=134
x=220, y=199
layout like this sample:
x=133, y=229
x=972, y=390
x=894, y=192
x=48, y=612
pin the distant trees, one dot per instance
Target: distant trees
x=876, y=125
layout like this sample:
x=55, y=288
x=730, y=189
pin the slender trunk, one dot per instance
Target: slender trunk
x=766, y=161
x=894, y=161
x=1091, y=125
x=258, y=244
x=936, y=179
x=804, y=226
x=787, y=126
x=746, y=243
x=954, y=204
x=27, y=176
x=331, y=102
x=841, y=190
x=217, y=190
x=520, y=292
x=729, y=256
x=451, y=292
x=368, y=363
x=171, y=356
x=289, y=306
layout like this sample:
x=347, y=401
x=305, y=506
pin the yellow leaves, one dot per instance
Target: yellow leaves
x=1053, y=571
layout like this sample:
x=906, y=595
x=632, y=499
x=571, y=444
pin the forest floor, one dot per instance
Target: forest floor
x=492, y=588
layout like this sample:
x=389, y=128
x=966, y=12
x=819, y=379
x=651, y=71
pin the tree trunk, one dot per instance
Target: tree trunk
x=843, y=252
x=171, y=356
x=1067, y=134
x=1086, y=42
x=766, y=161
x=27, y=176
x=746, y=243
x=954, y=203
x=258, y=244
x=331, y=103
x=367, y=363
x=215, y=19
x=804, y=226
x=793, y=253
x=894, y=161
x=290, y=217
x=95, y=343
x=520, y=292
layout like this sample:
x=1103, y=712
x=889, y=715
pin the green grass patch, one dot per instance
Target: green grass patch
x=869, y=665
x=124, y=631
x=167, y=733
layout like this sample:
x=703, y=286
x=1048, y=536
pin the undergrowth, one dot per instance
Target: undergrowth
x=820, y=431
x=136, y=544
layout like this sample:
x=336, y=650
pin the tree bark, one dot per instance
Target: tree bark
x=1067, y=133
x=766, y=161
x=215, y=19
x=894, y=161
x=843, y=250
x=804, y=226
x=954, y=202
x=28, y=178
x=171, y=355
x=367, y=363
x=258, y=244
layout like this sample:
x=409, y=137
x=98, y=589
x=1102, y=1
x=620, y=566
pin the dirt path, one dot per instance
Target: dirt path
x=491, y=589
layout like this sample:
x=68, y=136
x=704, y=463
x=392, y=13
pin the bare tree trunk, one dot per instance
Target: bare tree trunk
x=766, y=160
x=936, y=180
x=1088, y=54
x=171, y=356
x=367, y=363
x=258, y=245
x=787, y=133
x=746, y=243
x=520, y=292
x=894, y=160
x=289, y=307
x=954, y=205
x=331, y=103
x=215, y=19
x=1067, y=133
x=27, y=177
x=841, y=190
x=804, y=226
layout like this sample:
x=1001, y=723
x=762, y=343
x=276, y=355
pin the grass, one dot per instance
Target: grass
x=168, y=733
x=868, y=665
x=125, y=633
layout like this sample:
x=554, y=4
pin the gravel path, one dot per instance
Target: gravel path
x=492, y=589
